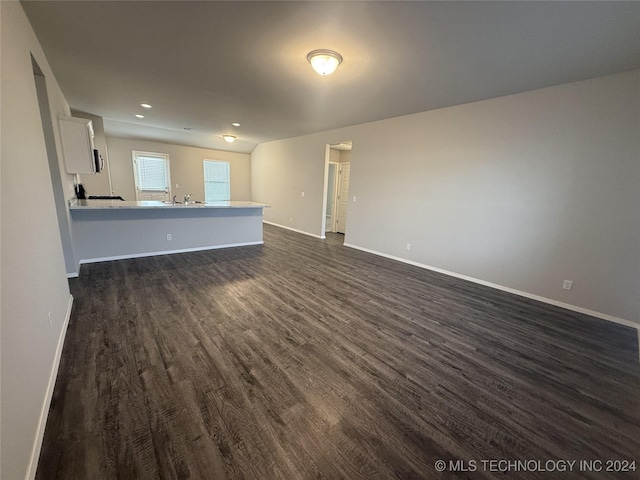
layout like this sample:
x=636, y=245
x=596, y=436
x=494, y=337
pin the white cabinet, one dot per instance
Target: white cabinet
x=77, y=145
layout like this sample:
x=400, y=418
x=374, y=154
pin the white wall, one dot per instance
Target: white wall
x=281, y=171
x=186, y=167
x=521, y=191
x=60, y=180
x=334, y=155
x=33, y=286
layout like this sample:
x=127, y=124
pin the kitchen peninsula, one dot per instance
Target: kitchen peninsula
x=111, y=229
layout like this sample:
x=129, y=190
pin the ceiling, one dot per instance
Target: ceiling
x=203, y=65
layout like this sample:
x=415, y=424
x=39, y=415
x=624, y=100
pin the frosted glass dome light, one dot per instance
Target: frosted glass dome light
x=324, y=62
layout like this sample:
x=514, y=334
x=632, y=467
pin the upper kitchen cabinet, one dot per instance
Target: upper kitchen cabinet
x=78, y=149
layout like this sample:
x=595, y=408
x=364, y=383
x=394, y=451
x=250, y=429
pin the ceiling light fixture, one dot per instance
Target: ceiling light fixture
x=229, y=138
x=323, y=61
x=235, y=124
x=139, y=116
x=145, y=105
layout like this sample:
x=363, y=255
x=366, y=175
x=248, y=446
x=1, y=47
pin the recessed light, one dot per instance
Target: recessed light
x=235, y=124
x=139, y=116
x=145, y=105
x=229, y=138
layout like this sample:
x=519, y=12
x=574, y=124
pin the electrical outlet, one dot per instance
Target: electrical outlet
x=290, y=219
x=567, y=284
x=49, y=316
x=407, y=247
x=169, y=237
x=177, y=186
x=302, y=194
x=354, y=198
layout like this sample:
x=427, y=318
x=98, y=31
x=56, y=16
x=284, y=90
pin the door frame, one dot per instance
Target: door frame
x=327, y=161
x=325, y=189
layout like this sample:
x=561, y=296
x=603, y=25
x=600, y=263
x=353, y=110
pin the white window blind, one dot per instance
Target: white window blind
x=216, y=181
x=152, y=172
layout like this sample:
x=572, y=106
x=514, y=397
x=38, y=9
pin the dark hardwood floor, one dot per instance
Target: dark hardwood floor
x=302, y=358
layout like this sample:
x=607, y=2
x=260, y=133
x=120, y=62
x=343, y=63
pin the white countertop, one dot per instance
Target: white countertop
x=119, y=204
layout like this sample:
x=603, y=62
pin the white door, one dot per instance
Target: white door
x=151, y=173
x=332, y=196
x=343, y=197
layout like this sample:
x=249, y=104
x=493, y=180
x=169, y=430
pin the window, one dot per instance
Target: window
x=216, y=181
x=152, y=174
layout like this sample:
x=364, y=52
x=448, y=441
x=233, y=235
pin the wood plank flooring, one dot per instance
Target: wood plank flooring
x=302, y=358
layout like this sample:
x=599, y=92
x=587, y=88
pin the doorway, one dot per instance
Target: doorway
x=332, y=198
x=337, y=176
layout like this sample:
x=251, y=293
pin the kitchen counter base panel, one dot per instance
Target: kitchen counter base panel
x=112, y=234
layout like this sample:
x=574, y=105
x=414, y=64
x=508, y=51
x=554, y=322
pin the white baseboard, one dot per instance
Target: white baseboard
x=294, y=230
x=567, y=306
x=44, y=413
x=72, y=275
x=166, y=252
